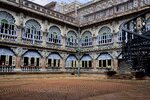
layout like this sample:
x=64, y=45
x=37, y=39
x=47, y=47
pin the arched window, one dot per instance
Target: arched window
x=7, y=26
x=86, y=39
x=71, y=61
x=148, y=24
x=71, y=39
x=54, y=35
x=32, y=31
x=104, y=61
x=105, y=36
x=53, y=60
x=7, y=58
x=31, y=59
x=86, y=61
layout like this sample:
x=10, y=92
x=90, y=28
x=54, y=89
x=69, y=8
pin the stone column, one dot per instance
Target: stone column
x=94, y=64
x=18, y=63
x=43, y=62
x=115, y=64
x=115, y=40
x=44, y=39
x=62, y=64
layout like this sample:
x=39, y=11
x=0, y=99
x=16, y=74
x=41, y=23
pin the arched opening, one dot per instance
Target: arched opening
x=86, y=61
x=86, y=39
x=105, y=36
x=7, y=59
x=7, y=26
x=71, y=61
x=32, y=31
x=54, y=35
x=71, y=39
x=54, y=60
x=31, y=61
x=104, y=61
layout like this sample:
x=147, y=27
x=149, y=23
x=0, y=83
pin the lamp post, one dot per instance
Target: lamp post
x=79, y=40
x=78, y=53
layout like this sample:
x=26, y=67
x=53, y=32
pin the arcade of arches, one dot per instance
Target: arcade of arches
x=33, y=59
x=49, y=45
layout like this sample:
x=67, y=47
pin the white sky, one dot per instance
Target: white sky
x=43, y=2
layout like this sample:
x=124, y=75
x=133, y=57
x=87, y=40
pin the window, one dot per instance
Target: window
x=7, y=26
x=31, y=58
x=71, y=39
x=109, y=62
x=104, y=60
x=120, y=36
x=104, y=63
x=54, y=60
x=25, y=61
x=86, y=39
x=54, y=35
x=32, y=31
x=105, y=36
x=86, y=61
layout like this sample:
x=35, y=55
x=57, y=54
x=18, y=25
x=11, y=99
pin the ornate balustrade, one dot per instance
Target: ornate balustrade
x=115, y=11
x=53, y=69
x=30, y=69
x=7, y=68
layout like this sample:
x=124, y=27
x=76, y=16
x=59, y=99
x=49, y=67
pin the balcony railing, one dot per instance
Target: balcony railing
x=30, y=69
x=53, y=69
x=7, y=68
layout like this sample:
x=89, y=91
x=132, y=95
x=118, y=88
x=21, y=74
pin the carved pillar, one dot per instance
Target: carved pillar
x=115, y=64
x=62, y=64
x=115, y=40
x=94, y=64
x=44, y=39
x=43, y=61
x=18, y=61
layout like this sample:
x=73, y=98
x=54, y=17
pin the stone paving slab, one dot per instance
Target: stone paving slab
x=73, y=88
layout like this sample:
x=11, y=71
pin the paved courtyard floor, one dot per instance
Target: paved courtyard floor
x=73, y=88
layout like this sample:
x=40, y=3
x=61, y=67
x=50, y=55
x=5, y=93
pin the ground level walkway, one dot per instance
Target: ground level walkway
x=56, y=87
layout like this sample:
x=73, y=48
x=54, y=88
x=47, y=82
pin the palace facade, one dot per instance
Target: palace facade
x=35, y=38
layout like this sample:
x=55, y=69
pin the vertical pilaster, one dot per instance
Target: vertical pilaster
x=115, y=64
x=18, y=62
x=62, y=64
x=94, y=64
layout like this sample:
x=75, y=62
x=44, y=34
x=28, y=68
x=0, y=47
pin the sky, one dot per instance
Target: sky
x=43, y=2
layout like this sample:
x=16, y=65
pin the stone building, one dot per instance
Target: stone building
x=34, y=38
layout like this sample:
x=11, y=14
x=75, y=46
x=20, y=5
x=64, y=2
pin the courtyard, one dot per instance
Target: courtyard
x=56, y=87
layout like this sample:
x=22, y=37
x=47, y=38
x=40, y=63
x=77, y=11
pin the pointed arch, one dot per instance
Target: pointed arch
x=86, y=61
x=7, y=26
x=54, y=60
x=31, y=58
x=7, y=17
x=104, y=60
x=32, y=31
x=71, y=61
x=33, y=23
x=54, y=35
x=7, y=57
x=86, y=39
x=104, y=36
x=71, y=39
